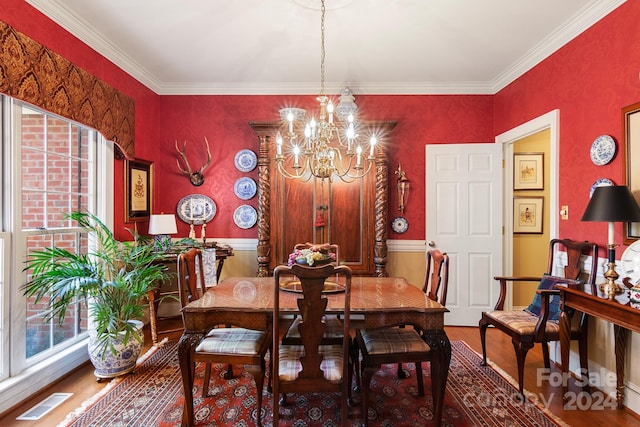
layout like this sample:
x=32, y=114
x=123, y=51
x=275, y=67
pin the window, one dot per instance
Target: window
x=50, y=167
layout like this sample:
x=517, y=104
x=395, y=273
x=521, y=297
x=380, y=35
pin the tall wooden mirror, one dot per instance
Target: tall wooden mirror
x=351, y=215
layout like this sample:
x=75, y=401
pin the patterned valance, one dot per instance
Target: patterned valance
x=34, y=74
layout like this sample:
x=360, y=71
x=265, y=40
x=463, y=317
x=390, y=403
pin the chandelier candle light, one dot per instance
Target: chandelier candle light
x=323, y=152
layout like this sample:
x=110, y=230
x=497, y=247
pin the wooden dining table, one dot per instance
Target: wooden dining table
x=380, y=301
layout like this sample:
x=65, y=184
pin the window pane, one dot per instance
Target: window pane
x=33, y=169
x=32, y=129
x=33, y=214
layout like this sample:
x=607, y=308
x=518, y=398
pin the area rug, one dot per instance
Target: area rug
x=153, y=396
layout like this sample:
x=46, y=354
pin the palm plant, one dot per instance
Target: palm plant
x=114, y=279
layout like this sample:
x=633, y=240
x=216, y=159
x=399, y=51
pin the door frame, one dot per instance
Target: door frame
x=551, y=121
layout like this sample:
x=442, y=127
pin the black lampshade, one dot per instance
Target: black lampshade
x=612, y=204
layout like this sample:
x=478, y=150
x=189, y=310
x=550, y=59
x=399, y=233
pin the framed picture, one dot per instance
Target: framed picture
x=631, y=153
x=138, y=186
x=528, y=171
x=527, y=215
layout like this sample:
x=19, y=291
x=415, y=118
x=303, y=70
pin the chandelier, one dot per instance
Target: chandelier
x=323, y=148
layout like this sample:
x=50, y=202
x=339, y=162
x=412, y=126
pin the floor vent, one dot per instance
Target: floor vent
x=42, y=408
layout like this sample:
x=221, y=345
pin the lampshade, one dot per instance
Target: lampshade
x=162, y=224
x=612, y=204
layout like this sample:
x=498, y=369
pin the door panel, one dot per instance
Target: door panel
x=464, y=219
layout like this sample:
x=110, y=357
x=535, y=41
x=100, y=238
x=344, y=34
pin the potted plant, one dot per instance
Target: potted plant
x=114, y=278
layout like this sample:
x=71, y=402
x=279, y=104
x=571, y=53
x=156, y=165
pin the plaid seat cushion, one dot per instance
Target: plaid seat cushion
x=521, y=321
x=290, y=366
x=231, y=341
x=334, y=327
x=393, y=340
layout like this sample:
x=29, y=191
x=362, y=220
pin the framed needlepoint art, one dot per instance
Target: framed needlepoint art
x=528, y=171
x=138, y=182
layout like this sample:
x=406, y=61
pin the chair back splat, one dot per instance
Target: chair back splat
x=311, y=366
x=539, y=321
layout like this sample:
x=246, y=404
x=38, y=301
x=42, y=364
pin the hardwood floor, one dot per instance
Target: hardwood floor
x=83, y=385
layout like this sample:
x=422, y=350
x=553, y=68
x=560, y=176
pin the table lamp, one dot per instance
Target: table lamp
x=161, y=226
x=612, y=204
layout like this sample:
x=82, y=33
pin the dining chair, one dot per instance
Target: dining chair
x=311, y=366
x=436, y=283
x=333, y=333
x=224, y=343
x=538, y=323
x=401, y=343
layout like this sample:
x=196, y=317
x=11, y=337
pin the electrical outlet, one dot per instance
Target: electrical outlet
x=564, y=212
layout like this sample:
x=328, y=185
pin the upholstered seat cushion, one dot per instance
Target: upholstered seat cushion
x=290, y=365
x=393, y=340
x=335, y=328
x=231, y=341
x=525, y=323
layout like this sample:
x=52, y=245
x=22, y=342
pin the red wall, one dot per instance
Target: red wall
x=224, y=121
x=589, y=80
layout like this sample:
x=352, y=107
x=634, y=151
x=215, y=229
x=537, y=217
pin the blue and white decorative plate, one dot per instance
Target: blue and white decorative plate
x=602, y=182
x=245, y=160
x=196, y=209
x=602, y=150
x=245, y=216
x=245, y=188
x=400, y=224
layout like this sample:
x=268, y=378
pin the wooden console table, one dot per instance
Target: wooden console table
x=617, y=311
x=155, y=296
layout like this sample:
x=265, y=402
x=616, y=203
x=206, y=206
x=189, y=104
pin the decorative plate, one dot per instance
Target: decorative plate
x=245, y=160
x=245, y=188
x=602, y=150
x=196, y=208
x=602, y=182
x=400, y=224
x=245, y=216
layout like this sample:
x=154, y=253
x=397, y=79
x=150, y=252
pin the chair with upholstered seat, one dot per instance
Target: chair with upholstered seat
x=225, y=343
x=401, y=343
x=311, y=366
x=539, y=322
x=436, y=282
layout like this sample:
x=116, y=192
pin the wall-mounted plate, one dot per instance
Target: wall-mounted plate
x=196, y=209
x=245, y=160
x=245, y=216
x=603, y=150
x=245, y=188
x=400, y=224
x=600, y=183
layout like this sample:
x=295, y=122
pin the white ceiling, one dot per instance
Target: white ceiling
x=372, y=46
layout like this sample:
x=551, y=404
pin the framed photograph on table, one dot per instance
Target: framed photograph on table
x=138, y=186
x=528, y=171
x=527, y=215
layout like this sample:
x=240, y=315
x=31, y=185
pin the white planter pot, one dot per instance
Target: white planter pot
x=108, y=365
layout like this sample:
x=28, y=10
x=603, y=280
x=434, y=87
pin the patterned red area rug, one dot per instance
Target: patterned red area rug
x=152, y=396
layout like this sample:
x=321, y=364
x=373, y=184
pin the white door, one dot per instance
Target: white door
x=464, y=219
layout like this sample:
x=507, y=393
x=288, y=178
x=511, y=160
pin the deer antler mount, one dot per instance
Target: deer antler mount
x=196, y=177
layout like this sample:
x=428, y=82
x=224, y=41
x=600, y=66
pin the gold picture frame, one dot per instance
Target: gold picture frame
x=631, y=164
x=528, y=171
x=138, y=190
x=527, y=215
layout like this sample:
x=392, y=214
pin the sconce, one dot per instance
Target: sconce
x=403, y=188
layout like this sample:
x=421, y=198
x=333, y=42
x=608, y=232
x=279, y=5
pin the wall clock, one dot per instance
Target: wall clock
x=400, y=224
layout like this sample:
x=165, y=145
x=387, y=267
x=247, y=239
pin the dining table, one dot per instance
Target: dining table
x=376, y=302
